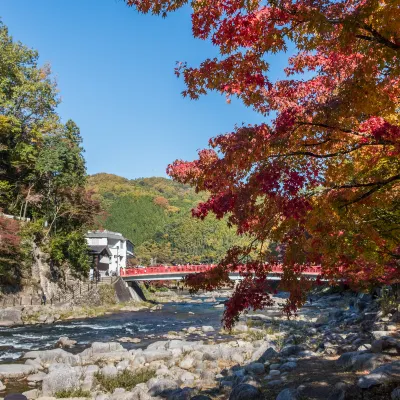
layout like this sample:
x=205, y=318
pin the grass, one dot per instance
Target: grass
x=63, y=394
x=125, y=379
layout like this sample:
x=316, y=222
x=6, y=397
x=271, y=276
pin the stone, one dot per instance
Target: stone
x=395, y=395
x=287, y=394
x=65, y=378
x=291, y=350
x=180, y=394
x=154, y=355
x=187, y=377
x=157, y=386
x=288, y=366
x=65, y=342
x=38, y=377
x=266, y=355
x=31, y=394
x=10, y=316
x=359, y=361
x=386, y=345
x=206, y=329
x=384, y=374
x=274, y=372
x=187, y=362
x=200, y=397
x=15, y=370
x=100, y=347
x=2, y=386
x=244, y=391
x=255, y=368
x=338, y=392
x=379, y=334
x=54, y=355
x=109, y=371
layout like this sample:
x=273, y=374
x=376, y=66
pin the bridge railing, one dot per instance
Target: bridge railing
x=190, y=269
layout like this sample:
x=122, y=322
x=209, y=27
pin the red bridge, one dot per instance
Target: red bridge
x=163, y=273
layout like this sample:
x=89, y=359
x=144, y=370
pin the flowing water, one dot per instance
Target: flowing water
x=148, y=326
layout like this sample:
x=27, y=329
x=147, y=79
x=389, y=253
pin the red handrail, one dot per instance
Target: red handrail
x=191, y=269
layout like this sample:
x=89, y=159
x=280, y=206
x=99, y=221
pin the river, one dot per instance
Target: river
x=145, y=325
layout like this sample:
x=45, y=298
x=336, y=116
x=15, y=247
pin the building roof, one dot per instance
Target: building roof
x=99, y=250
x=105, y=234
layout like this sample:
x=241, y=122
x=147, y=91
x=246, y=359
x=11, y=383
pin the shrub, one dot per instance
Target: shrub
x=63, y=394
x=126, y=379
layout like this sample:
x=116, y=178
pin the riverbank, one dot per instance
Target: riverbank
x=340, y=347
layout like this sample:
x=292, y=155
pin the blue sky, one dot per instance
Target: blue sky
x=114, y=68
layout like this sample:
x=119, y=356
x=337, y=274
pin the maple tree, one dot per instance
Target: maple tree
x=322, y=178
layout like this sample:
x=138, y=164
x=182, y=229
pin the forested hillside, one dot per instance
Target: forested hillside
x=155, y=214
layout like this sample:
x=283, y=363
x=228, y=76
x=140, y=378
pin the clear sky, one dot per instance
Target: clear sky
x=114, y=69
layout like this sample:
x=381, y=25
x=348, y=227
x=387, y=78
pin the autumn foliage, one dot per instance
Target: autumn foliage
x=321, y=179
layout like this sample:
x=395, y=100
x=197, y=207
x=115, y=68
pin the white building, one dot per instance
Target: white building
x=110, y=251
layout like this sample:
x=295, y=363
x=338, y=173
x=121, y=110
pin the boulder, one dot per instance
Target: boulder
x=187, y=362
x=264, y=354
x=180, y=394
x=288, y=366
x=154, y=355
x=207, y=329
x=386, y=345
x=244, y=391
x=65, y=342
x=54, y=355
x=38, y=377
x=159, y=386
x=100, y=347
x=187, y=377
x=360, y=361
x=109, y=371
x=255, y=368
x=15, y=370
x=291, y=350
x=66, y=378
x=31, y=394
x=384, y=374
x=395, y=395
x=10, y=316
x=288, y=394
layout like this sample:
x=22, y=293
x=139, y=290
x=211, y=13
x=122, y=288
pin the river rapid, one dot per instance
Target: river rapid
x=145, y=325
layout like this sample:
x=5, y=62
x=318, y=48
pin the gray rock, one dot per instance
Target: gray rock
x=99, y=348
x=154, y=355
x=65, y=342
x=31, y=394
x=38, y=377
x=384, y=374
x=10, y=316
x=358, y=361
x=379, y=334
x=291, y=350
x=15, y=370
x=245, y=391
x=109, y=371
x=180, y=394
x=187, y=377
x=207, y=329
x=187, y=362
x=387, y=345
x=158, y=386
x=2, y=386
x=266, y=355
x=274, y=372
x=288, y=366
x=338, y=392
x=287, y=394
x=255, y=368
x=395, y=395
x=65, y=378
